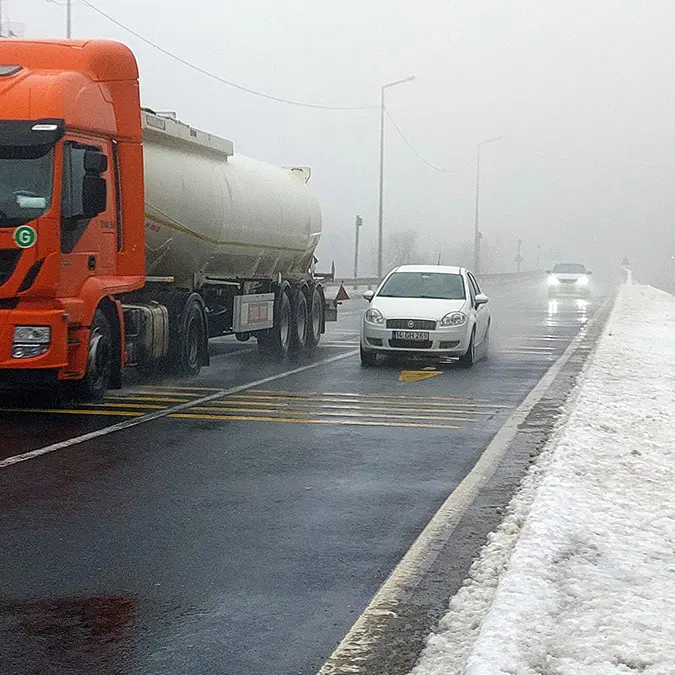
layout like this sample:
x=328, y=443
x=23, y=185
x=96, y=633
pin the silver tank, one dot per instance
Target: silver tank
x=213, y=214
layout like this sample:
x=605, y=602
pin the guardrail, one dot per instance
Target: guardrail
x=373, y=282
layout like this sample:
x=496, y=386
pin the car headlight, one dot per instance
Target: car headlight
x=453, y=319
x=553, y=280
x=32, y=335
x=582, y=281
x=374, y=316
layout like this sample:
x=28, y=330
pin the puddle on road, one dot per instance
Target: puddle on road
x=89, y=635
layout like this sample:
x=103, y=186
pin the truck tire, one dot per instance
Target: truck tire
x=316, y=318
x=276, y=341
x=192, y=338
x=299, y=325
x=94, y=384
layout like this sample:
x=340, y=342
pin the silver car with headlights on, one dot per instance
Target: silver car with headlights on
x=428, y=311
x=569, y=279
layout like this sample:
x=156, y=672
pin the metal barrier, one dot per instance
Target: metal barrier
x=370, y=283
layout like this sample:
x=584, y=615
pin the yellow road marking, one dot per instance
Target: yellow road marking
x=417, y=375
x=309, y=405
x=140, y=406
x=367, y=423
x=64, y=411
x=163, y=399
x=324, y=413
x=169, y=391
x=368, y=395
x=337, y=399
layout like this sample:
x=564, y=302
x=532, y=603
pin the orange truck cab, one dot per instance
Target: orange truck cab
x=71, y=210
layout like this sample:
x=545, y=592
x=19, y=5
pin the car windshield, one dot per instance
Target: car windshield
x=569, y=268
x=424, y=285
x=25, y=188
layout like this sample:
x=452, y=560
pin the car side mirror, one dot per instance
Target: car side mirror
x=481, y=299
x=588, y=273
x=549, y=272
x=368, y=295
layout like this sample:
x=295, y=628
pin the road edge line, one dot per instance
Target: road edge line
x=407, y=574
x=166, y=412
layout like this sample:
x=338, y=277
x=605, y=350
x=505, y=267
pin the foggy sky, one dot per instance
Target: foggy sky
x=580, y=91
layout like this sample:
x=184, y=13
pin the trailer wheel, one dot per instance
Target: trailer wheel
x=276, y=341
x=316, y=318
x=300, y=328
x=192, y=338
x=94, y=384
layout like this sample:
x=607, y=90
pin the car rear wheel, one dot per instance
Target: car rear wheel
x=485, y=350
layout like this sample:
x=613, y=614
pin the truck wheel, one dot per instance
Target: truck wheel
x=192, y=339
x=94, y=384
x=316, y=318
x=277, y=341
x=299, y=325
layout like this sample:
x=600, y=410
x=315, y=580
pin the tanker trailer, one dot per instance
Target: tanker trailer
x=229, y=249
x=128, y=237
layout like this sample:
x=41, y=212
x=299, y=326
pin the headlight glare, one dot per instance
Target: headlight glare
x=453, y=319
x=32, y=335
x=553, y=280
x=582, y=281
x=374, y=316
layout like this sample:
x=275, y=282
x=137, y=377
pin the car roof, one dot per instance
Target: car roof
x=438, y=269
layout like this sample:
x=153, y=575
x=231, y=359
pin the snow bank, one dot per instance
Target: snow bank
x=580, y=577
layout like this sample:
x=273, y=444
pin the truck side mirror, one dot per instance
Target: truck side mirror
x=95, y=162
x=94, y=196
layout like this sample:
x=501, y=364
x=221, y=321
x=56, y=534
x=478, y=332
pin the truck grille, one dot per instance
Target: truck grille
x=9, y=257
x=411, y=324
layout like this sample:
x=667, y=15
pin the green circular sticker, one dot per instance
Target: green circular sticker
x=25, y=236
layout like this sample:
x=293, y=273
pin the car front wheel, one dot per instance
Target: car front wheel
x=368, y=359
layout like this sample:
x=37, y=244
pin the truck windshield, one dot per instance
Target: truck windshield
x=424, y=285
x=25, y=187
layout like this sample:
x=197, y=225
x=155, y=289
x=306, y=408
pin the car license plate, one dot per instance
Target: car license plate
x=415, y=335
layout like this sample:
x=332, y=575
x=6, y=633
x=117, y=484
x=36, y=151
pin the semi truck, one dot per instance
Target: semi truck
x=128, y=237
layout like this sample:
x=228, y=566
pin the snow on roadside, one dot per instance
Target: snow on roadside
x=580, y=576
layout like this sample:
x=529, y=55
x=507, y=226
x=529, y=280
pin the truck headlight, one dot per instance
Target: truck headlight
x=582, y=281
x=34, y=335
x=374, y=316
x=553, y=280
x=453, y=319
x=30, y=341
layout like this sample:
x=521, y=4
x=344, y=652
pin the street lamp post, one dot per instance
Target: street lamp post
x=476, y=230
x=69, y=19
x=359, y=225
x=381, y=191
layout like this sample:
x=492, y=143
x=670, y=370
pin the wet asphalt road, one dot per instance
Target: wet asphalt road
x=245, y=535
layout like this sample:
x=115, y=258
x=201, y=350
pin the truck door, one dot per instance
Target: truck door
x=89, y=240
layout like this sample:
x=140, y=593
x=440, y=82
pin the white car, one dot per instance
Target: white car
x=569, y=279
x=426, y=310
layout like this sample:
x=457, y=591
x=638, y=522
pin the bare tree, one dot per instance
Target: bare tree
x=402, y=249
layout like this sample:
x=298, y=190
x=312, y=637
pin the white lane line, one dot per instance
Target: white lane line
x=355, y=647
x=127, y=424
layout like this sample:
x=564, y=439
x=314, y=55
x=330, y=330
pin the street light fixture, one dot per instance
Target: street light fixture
x=476, y=231
x=381, y=193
